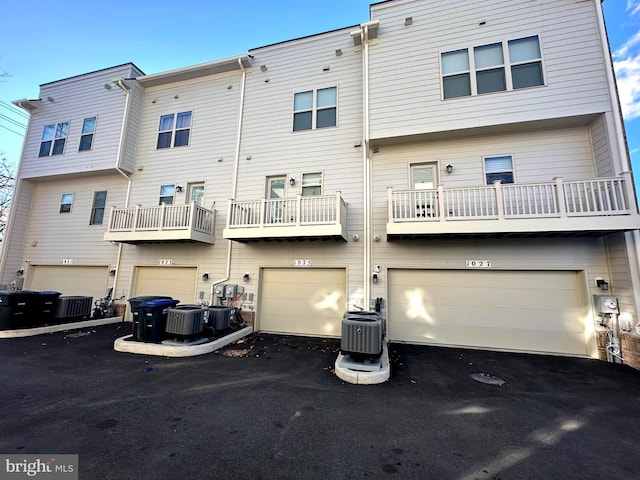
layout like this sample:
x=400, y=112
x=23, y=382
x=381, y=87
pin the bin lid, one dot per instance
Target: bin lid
x=49, y=292
x=145, y=298
x=160, y=302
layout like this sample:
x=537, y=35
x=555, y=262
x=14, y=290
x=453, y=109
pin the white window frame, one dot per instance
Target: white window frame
x=173, y=131
x=66, y=206
x=512, y=171
x=95, y=208
x=91, y=133
x=54, y=139
x=172, y=196
x=315, y=109
x=319, y=183
x=507, y=65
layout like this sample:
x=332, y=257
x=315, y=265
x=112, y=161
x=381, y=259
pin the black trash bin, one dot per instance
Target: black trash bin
x=18, y=309
x=153, y=315
x=138, y=322
x=48, y=307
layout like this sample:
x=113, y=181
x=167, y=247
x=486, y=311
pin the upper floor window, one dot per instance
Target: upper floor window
x=315, y=109
x=97, y=209
x=174, y=130
x=167, y=192
x=311, y=184
x=65, y=202
x=498, y=168
x=54, y=137
x=485, y=70
x=86, y=137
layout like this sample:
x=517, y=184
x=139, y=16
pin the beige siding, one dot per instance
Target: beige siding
x=405, y=69
x=601, y=148
x=619, y=278
x=132, y=129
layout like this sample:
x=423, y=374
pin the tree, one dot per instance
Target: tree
x=7, y=182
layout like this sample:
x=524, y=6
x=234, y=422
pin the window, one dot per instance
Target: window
x=174, y=129
x=196, y=193
x=97, y=209
x=54, y=137
x=423, y=176
x=167, y=193
x=315, y=109
x=498, y=168
x=486, y=71
x=311, y=184
x=86, y=138
x=66, y=202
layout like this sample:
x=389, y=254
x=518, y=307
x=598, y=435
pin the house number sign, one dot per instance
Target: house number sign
x=479, y=263
x=165, y=261
x=302, y=263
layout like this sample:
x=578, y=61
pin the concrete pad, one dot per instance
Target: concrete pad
x=360, y=377
x=29, y=332
x=127, y=345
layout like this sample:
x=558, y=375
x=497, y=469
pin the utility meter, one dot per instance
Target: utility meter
x=231, y=291
x=219, y=291
x=606, y=304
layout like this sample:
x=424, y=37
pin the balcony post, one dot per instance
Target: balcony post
x=263, y=209
x=629, y=193
x=136, y=214
x=112, y=218
x=338, y=206
x=230, y=220
x=497, y=185
x=161, y=219
x=192, y=214
x=298, y=209
x=441, y=211
x=560, y=197
x=390, y=204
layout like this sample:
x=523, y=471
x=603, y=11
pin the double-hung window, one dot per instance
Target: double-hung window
x=86, y=137
x=494, y=67
x=311, y=184
x=167, y=192
x=54, y=137
x=498, y=168
x=65, y=202
x=174, y=130
x=315, y=109
x=97, y=209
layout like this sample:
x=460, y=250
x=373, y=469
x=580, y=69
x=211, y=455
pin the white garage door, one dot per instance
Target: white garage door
x=70, y=280
x=539, y=311
x=175, y=282
x=302, y=301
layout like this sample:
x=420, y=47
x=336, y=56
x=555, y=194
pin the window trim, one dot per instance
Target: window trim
x=433, y=164
x=512, y=171
x=315, y=109
x=172, y=196
x=174, y=130
x=92, y=133
x=54, y=139
x=507, y=66
x=94, y=208
x=62, y=208
x=313, y=185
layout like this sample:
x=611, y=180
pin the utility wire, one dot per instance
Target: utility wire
x=13, y=109
x=11, y=120
x=12, y=131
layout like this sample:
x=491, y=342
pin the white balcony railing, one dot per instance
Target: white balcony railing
x=140, y=221
x=600, y=197
x=295, y=216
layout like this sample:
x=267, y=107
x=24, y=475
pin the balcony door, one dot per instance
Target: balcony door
x=276, y=192
x=424, y=177
x=196, y=193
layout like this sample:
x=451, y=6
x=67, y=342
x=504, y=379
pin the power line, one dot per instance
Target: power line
x=15, y=122
x=12, y=131
x=13, y=109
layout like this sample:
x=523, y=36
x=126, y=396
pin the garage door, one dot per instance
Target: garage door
x=70, y=280
x=174, y=282
x=539, y=311
x=302, y=301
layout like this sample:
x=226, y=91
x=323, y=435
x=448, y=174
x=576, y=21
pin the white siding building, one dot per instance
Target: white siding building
x=461, y=165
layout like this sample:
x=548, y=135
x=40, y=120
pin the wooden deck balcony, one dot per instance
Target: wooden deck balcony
x=161, y=223
x=295, y=218
x=576, y=207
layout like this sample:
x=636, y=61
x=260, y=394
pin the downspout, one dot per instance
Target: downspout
x=632, y=239
x=125, y=123
x=366, y=169
x=236, y=168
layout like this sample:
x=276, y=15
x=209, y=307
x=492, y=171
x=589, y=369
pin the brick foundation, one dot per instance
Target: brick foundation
x=629, y=345
x=249, y=317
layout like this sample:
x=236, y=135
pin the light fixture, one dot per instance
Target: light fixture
x=408, y=21
x=20, y=272
x=263, y=68
x=292, y=181
x=246, y=277
x=107, y=86
x=374, y=277
x=449, y=168
x=356, y=237
x=602, y=284
x=112, y=272
x=338, y=52
x=51, y=99
x=205, y=276
x=178, y=188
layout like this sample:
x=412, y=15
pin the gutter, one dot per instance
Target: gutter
x=236, y=168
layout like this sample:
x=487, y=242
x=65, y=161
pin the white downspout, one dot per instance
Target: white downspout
x=367, y=169
x=125, y=123
x=632, y=239
x=234, y=185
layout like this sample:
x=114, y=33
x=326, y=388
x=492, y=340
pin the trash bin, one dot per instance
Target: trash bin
x=153, y=315
x=219, y=317
x=48, y=307
x=138, y=323
x=18, y=309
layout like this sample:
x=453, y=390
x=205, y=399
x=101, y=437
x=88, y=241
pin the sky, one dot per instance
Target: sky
x=39, y=45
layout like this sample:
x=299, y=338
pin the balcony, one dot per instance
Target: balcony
x=161, y=223
x=577, y=207
x=297, y=218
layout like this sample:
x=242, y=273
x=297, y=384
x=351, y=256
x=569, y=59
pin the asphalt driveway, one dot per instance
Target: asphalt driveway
x=271, y=408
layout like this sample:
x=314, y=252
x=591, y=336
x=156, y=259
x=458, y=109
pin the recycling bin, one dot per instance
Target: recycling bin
x=153, y=316
x=138, y=323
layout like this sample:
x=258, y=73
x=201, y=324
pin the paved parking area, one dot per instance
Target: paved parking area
x=271, y=408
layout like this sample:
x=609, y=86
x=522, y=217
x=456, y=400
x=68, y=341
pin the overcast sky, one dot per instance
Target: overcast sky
x=40, y=43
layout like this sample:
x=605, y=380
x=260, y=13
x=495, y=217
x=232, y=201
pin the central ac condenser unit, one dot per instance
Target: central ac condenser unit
x=185, y=320
x=361, y=334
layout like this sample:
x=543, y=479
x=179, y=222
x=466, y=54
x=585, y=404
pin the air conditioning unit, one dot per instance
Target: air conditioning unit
x=361, y=334
x=185, y=320
x=74, y=307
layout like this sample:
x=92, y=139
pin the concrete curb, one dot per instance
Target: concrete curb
x=123, y=345
x=29, y=332
x=358, y=377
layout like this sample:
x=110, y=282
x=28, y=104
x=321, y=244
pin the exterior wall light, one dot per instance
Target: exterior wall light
x=292, y=181
x=449, y=168
x=205, y=276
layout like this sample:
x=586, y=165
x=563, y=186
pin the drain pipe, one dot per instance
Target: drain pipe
x=366, y=168
x=234, y=185
x=125, y=123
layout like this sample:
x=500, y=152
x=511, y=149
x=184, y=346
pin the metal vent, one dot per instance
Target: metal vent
x=185, y=320
x=72, y=307
x=362, y=334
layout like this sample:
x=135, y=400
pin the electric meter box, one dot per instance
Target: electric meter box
x=219, y=291
x=606, y=304
x=231, y=291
